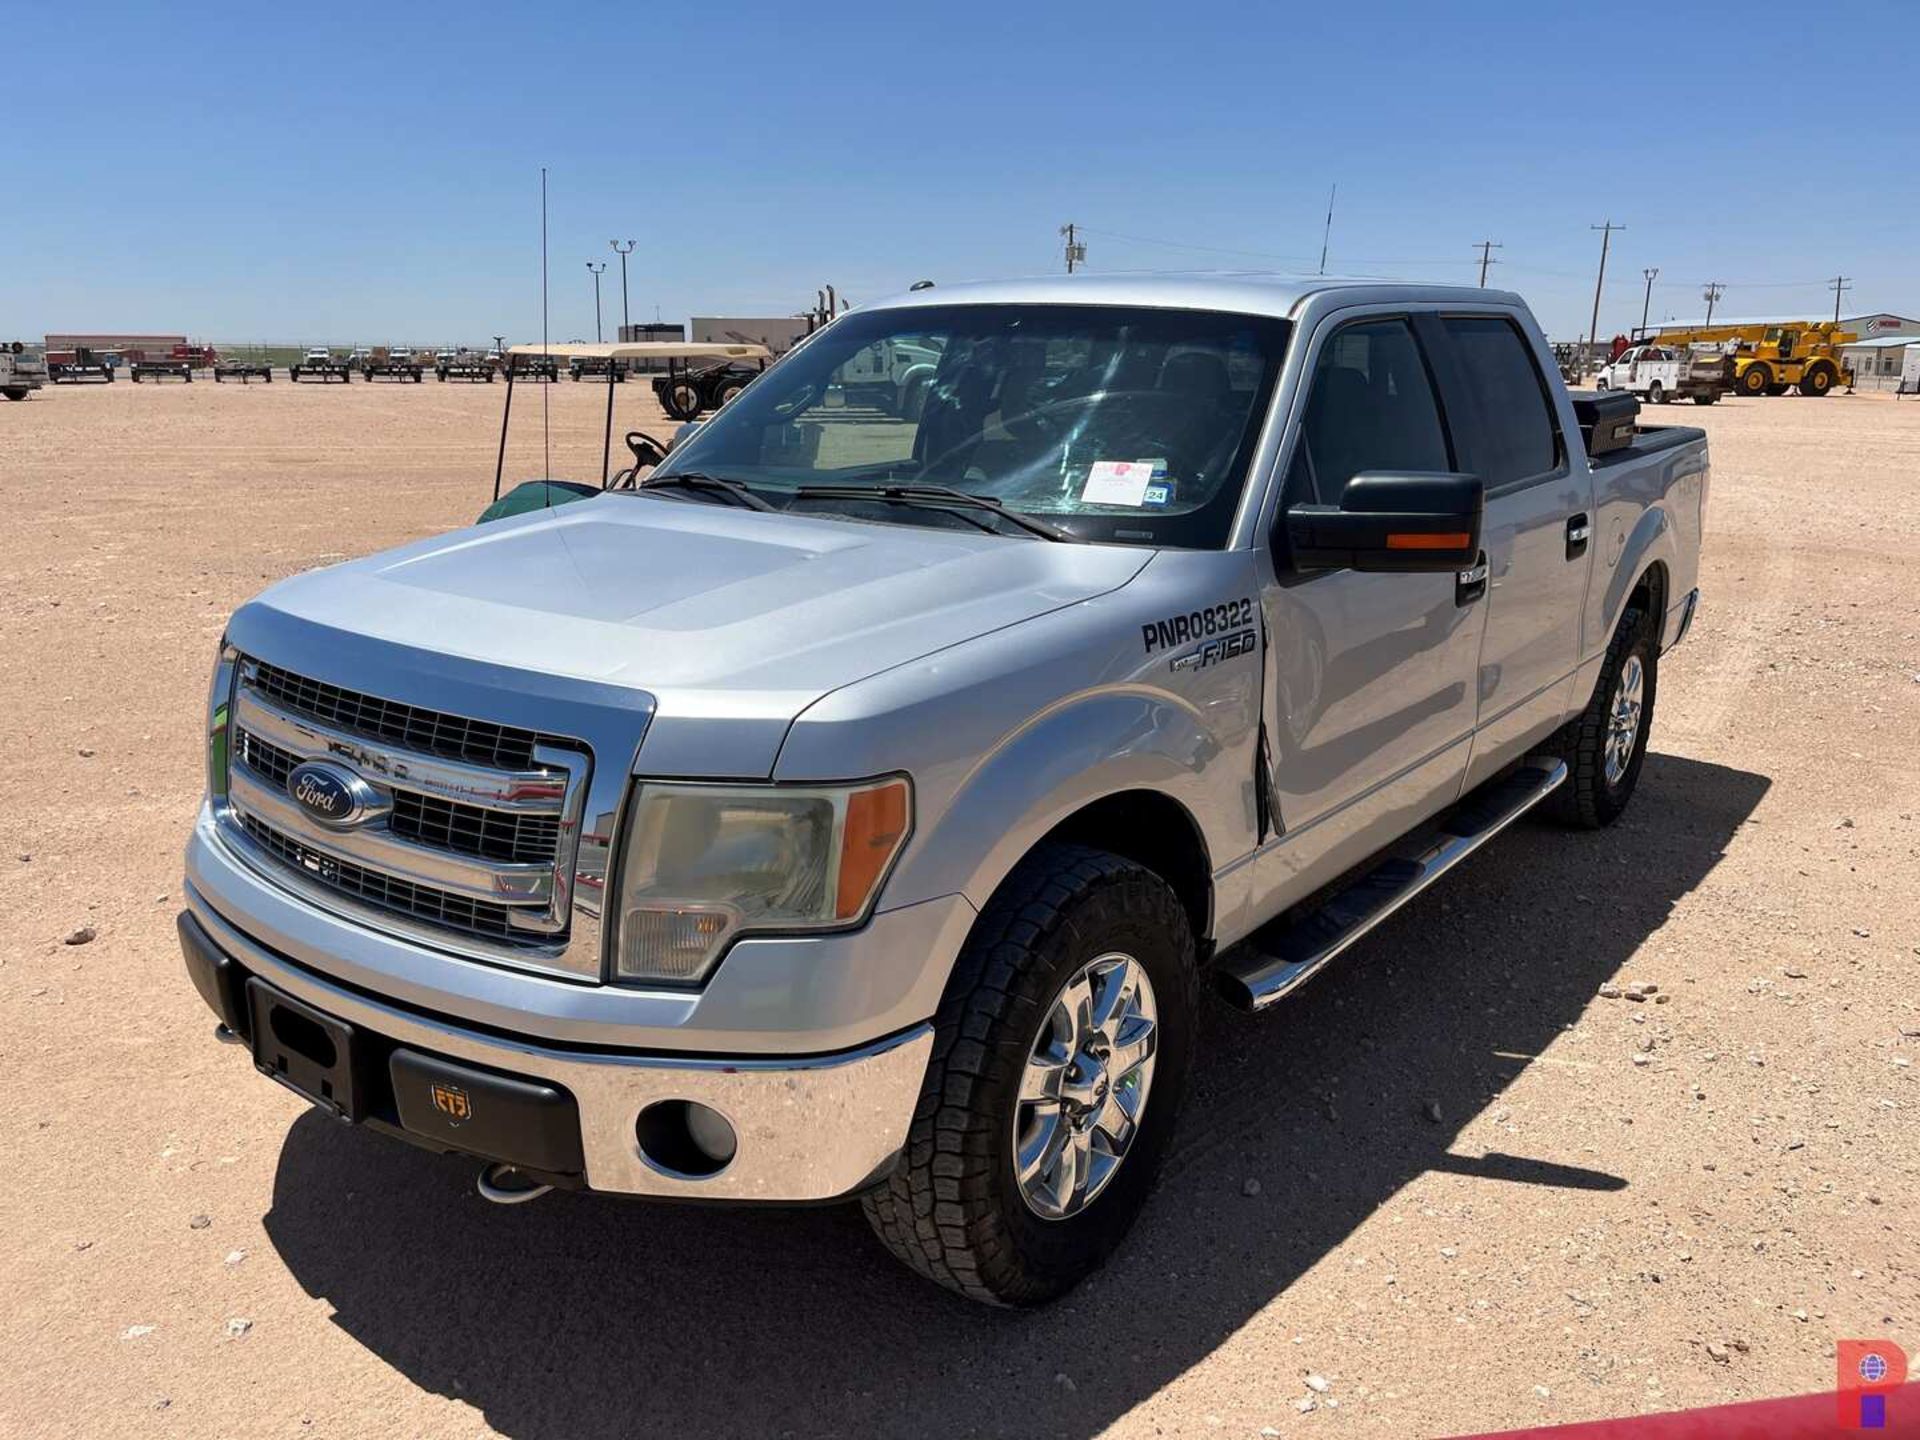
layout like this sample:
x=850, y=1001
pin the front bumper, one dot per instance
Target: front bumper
x=807, y=1129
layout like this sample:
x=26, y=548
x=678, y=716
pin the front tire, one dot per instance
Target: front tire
x=1060, y=1054
x=1816, y=381
x=1605, y=747
x=1756, y=380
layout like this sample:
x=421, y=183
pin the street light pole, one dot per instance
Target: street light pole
x=626, y=321
x=596, y=269
x=1647, y=304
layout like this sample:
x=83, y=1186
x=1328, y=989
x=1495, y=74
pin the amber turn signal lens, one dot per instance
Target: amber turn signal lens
x=1396, y=541
x=876, y=828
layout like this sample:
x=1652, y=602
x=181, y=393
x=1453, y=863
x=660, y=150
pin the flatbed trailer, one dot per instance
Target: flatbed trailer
x=322, y=366
x=392, y=365
x=168, y=369
x=83, y=367
x=534, y=364
x=475, y=368
x=593, y=367
x=242, y=370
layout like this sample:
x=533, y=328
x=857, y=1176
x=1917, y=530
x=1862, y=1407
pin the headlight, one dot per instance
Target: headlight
x=703, y=863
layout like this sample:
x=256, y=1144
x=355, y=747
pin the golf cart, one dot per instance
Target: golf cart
x=647, y=451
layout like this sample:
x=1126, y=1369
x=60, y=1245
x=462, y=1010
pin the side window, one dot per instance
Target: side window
x=1371, y=408
x=1518, y=437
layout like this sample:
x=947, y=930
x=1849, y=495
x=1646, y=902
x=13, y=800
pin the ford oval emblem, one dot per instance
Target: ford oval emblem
x=328, y=793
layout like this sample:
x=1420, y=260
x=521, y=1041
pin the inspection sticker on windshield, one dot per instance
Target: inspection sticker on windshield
x=1117, y=482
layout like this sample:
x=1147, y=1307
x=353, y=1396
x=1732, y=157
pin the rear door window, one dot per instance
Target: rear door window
x=1516, y=438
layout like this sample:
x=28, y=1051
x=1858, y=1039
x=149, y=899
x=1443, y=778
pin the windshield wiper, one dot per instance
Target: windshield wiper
x=709, y=485
x=937, y=497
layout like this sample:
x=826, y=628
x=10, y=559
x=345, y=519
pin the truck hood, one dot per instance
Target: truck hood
x=696, y=604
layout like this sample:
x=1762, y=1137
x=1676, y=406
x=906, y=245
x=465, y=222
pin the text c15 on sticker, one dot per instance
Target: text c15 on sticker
x=1222, y=619
x=1211, y=652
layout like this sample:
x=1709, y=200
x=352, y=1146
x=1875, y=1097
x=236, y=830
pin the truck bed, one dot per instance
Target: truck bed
x=1649, y=440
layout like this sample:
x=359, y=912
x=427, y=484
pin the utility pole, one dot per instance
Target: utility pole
x=1652, y=273
x=1486, y=249
x=1839, y=284
x=596, y=269
x=1327, y=234
x=1606, y=238
x=626, y=320
x=1711, y=295
x=1076, y=251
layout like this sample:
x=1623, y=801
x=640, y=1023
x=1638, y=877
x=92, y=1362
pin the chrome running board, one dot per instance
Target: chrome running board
x=1279, y=958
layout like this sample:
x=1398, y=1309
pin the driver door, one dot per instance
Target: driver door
x=1370, y=677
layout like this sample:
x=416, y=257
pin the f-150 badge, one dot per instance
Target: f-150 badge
x=1212, y=652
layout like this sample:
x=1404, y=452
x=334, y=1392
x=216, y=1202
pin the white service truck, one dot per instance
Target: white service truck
x=1660, y=373
x=20, y=371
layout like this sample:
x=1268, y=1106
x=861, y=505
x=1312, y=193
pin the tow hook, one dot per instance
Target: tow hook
x=504, y=1185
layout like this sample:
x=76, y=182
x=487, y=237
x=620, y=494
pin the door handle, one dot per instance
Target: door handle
x=1470, y=584
x=1579, y=531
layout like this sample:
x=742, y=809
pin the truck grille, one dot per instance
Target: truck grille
x=472, y=829
x=405, y=898
x=428, y=731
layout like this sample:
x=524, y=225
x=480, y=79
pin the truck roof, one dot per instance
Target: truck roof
x=1245, y=292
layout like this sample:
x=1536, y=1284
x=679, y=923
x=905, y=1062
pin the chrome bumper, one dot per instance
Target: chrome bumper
x=807, y=1129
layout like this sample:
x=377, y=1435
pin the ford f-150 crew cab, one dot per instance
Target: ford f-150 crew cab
x=857, y=804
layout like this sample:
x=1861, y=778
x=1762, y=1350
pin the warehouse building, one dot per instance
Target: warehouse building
x=1879, y=363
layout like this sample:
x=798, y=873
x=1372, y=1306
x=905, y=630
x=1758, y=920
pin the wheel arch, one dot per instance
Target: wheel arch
x=1152, y=829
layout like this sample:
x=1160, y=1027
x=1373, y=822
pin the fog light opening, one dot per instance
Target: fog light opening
x=685, y=1139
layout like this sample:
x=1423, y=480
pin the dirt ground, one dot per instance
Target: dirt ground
x=1622, y=1207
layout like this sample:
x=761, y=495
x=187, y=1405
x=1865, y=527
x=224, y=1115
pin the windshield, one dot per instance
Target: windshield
x=1121, y=424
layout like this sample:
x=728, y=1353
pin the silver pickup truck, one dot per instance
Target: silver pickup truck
x=859, y=804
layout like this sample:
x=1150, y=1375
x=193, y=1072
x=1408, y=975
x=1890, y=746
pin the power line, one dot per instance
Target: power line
x=1486, y=249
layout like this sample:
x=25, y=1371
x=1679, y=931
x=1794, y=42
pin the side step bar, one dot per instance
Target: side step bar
x=1279, y=958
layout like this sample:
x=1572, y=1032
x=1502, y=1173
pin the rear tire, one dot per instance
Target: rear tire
x=14, y=392
x=681, y=400
x=1602, y=752
x=955, y=1208
x=1816, y=381
x=727, y=392
x=1707, y=399
x=1656, y=394
x=1756, y=380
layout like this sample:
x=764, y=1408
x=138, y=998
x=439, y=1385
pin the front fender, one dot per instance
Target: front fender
x=1013, y=731
x=1086, y=749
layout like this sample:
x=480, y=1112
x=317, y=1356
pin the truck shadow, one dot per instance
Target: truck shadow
x=586, y=1316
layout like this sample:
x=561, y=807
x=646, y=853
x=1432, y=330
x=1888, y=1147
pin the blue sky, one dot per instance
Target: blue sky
x=336, y=173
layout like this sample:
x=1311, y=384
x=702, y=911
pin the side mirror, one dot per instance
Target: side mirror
x=684, y=433
x=1391, y=521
